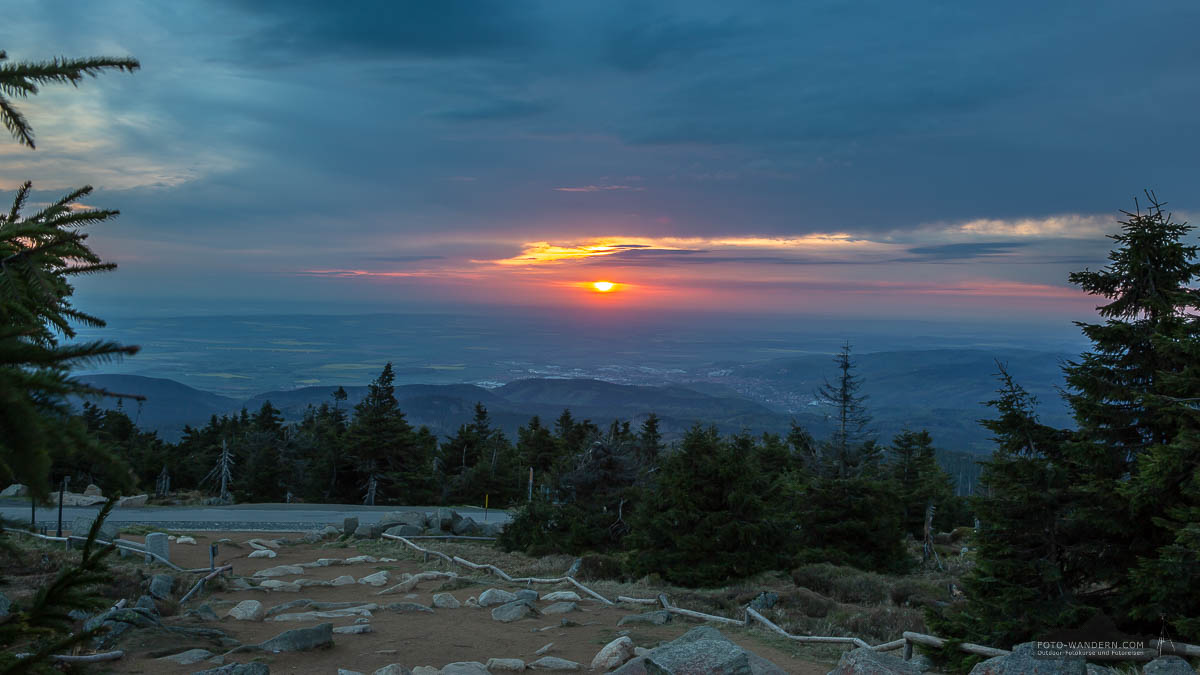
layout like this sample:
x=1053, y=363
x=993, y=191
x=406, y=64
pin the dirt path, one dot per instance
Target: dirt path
x=410, y=639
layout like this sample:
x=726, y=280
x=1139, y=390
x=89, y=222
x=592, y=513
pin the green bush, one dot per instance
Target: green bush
x=844, y=584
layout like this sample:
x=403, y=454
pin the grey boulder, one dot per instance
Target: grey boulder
x=864, y=661
x=161, y=585
x=495, y=596
x=700, y=650
x=189, y=657
x=553, y=663
x=514, y=611
x=657, y=618
x=300, y=639
x=1168, y=665
x=1022, y=661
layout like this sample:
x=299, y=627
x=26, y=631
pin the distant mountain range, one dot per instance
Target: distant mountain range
x=939, y=390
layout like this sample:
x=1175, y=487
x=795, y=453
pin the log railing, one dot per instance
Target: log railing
x=906, y=642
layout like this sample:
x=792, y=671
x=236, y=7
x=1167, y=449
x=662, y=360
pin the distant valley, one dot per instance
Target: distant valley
x=939, y=390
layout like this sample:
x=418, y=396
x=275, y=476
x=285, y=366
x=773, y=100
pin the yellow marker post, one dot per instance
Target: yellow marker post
x=485, y=507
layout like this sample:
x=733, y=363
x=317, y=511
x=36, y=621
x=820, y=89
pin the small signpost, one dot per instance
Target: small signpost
x=212, y=557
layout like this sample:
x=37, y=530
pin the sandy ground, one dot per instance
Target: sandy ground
x=445, y=636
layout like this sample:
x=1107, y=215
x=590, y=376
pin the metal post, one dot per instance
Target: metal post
x=212, y=557
x=531, y=483
x=61, y=489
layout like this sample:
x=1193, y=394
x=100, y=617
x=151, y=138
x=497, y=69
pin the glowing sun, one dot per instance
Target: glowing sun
x=603, y=286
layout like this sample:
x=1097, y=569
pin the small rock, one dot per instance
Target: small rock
x=465, y=527
x=248, y=610
x=426, y=670
x=357, y=629
x=393, y=669
x=513, y=611
x=279, y=571
x=203, y=612
x=562, y=596
x=186, y=540
x=349, y=525
x=560, y=608
x=464, y=668
x=280, y=586
x=554, y=663
x=358, y=559
x=146, y=602
x=471, y=602
x=445, y=601
x=613, y=654
x=15, y=490
x=300, y=639
x=161, y=585
x=189, y=657
x=543, y=649
x=262, y=553
x=92, y=491
x=377, y=579
x=408, y=607
x=505, y=665
x=343, y=671
x=657, y=618
x=527, y=594
x=403, y=530
x=344, y=580
x=495, y=596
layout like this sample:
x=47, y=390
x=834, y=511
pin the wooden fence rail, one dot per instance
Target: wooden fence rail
x=906, y=642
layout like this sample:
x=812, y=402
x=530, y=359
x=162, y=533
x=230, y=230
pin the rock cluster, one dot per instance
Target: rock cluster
x=414, y=523
x=700, y=650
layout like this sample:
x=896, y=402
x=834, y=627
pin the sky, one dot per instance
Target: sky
x=952, y=161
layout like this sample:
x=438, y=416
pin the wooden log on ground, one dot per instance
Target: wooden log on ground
x=805, y=638
x=637, y=601
x=704, y=617
x=589, y=591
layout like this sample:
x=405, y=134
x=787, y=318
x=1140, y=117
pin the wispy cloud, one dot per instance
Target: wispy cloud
x=600, y=188
x=813, y=248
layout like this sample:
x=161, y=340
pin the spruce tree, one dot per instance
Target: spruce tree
x=39, y=255
x=1024, y=582
x=919, y=481
x=388, y=454
x=1133, y=398
x=850, y=446
x=711, y=516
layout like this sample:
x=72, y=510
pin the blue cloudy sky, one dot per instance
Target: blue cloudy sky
x=936, y=158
